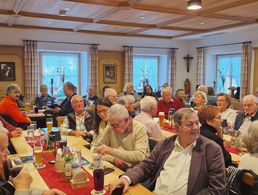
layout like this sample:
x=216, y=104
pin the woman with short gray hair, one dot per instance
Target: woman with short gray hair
x=200, y=100
x=250, y=139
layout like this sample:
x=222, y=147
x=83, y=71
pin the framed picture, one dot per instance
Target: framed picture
x=109, y=73
x=7, y=71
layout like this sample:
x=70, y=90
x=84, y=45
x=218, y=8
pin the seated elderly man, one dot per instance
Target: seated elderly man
x=91, y=95
x=186, y=163
x=125, y=142
x=111, y=95
x=249, y=115
x=9, y=107
x=80, y=122
x=223, y=102
x=129, y=90
x=44, y=97
x=148, y=107
x=66, y=107
x=168, y=102
x=9, y=129
x=20, y=185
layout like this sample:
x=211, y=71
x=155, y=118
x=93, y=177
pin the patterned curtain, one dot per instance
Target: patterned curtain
x=93, y=68
x=31, y=69
x=128, y=74
x=200, y=74
x=245, y=69
x=172, y=68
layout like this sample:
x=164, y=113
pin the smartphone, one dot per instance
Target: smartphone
x=118, y=191
x=108, y=170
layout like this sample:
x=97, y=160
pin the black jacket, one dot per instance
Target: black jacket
x=210, y=132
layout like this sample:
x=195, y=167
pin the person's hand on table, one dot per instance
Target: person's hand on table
x=104, y=149
x=121, y=182
x=16, y=133
x=78, y=133
x=56, y=109
x=120, y=164
x=53, y=192
x=22, y=181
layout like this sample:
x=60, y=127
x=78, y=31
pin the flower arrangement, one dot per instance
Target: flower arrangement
x=68, y=155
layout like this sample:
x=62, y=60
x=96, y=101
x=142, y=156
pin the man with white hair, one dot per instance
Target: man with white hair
x=168, y=102
x=128, y=102
x=249, y=115
x=202, y=88
x=19, y=185
x=80, y=122
x=148, y=107
x=125, y=142
x=111, y=94
x=91, y=95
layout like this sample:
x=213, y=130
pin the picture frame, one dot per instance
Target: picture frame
x=7, y=71
x=109, y=73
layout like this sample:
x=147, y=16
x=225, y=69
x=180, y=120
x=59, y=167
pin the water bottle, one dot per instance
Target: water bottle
x=171, y=117
x=98, y=173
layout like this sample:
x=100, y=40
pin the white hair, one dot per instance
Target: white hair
x=12, y=87
x=251, y=98
x=204, y=96
x=117, y=111
x=110, y=92
x=126, y=100
x=202, y=88
x=75, y=96
x=126, y=86
x=147, y=103
x=166, y=90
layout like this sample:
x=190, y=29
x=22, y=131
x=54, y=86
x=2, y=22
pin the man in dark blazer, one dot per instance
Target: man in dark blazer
x=186, y=163
x=249, y=115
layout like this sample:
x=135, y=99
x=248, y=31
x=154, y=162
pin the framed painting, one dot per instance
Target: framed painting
x=7, y=71
x=110, y=73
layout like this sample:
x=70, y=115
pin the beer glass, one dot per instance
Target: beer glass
x=27, y=107
x=49, y=124
x=38, y=153
x=161, y=118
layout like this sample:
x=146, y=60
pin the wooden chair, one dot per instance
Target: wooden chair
x=237, y=105
x=60, y=120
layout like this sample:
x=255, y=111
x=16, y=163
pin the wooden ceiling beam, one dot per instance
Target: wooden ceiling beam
x=227, y=6
x=182, y=29
x=174, y=20
x=227, y=17
x=85, y=31
x=97, y=2
x=137, y=31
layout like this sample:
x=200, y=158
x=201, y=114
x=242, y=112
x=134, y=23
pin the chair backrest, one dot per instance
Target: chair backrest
x=60, y=120
x=237, y=105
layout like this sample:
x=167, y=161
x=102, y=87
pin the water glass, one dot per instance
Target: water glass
x=30, y=133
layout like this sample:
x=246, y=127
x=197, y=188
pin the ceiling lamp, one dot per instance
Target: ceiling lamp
x=194, y=4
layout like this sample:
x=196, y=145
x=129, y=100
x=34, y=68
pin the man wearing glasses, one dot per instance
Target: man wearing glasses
x=186, y=163
x=125, y=142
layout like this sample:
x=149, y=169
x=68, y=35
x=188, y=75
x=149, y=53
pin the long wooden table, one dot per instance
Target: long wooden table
x=23, y=149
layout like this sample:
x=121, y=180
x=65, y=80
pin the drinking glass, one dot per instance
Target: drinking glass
x=27, y=107
x=38, y=153
x=15, y=165
x=30, y=133
x=161, y=118
x=49, y=124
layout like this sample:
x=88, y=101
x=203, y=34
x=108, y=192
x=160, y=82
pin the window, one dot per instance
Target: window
x=145, y=71
x=58, y=68
x=228, y=72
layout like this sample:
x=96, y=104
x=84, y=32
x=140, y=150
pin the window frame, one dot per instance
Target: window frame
x=78, y=55
x=148, y=56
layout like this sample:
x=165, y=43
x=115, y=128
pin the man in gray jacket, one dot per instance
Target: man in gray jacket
x=186, y=163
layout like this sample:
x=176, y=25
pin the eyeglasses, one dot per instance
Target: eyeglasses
x=115, y=125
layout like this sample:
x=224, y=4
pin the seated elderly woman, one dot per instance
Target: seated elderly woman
x=200, y=100
x=210, y=119
x=101, y=109
x=128, y=102
x=250, y=139
x=168, y=102
x=125, y=142
x=223, y=102
x=111, y=94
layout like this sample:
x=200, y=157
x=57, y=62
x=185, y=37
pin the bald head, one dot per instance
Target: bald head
x=249, y=104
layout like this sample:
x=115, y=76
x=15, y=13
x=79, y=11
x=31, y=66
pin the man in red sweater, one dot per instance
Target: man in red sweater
x=168, y=102
x=8, y=105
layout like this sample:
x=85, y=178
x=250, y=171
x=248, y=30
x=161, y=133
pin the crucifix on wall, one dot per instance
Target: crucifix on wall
x=188, y=58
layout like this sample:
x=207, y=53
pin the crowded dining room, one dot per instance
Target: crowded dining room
x=134, y=97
